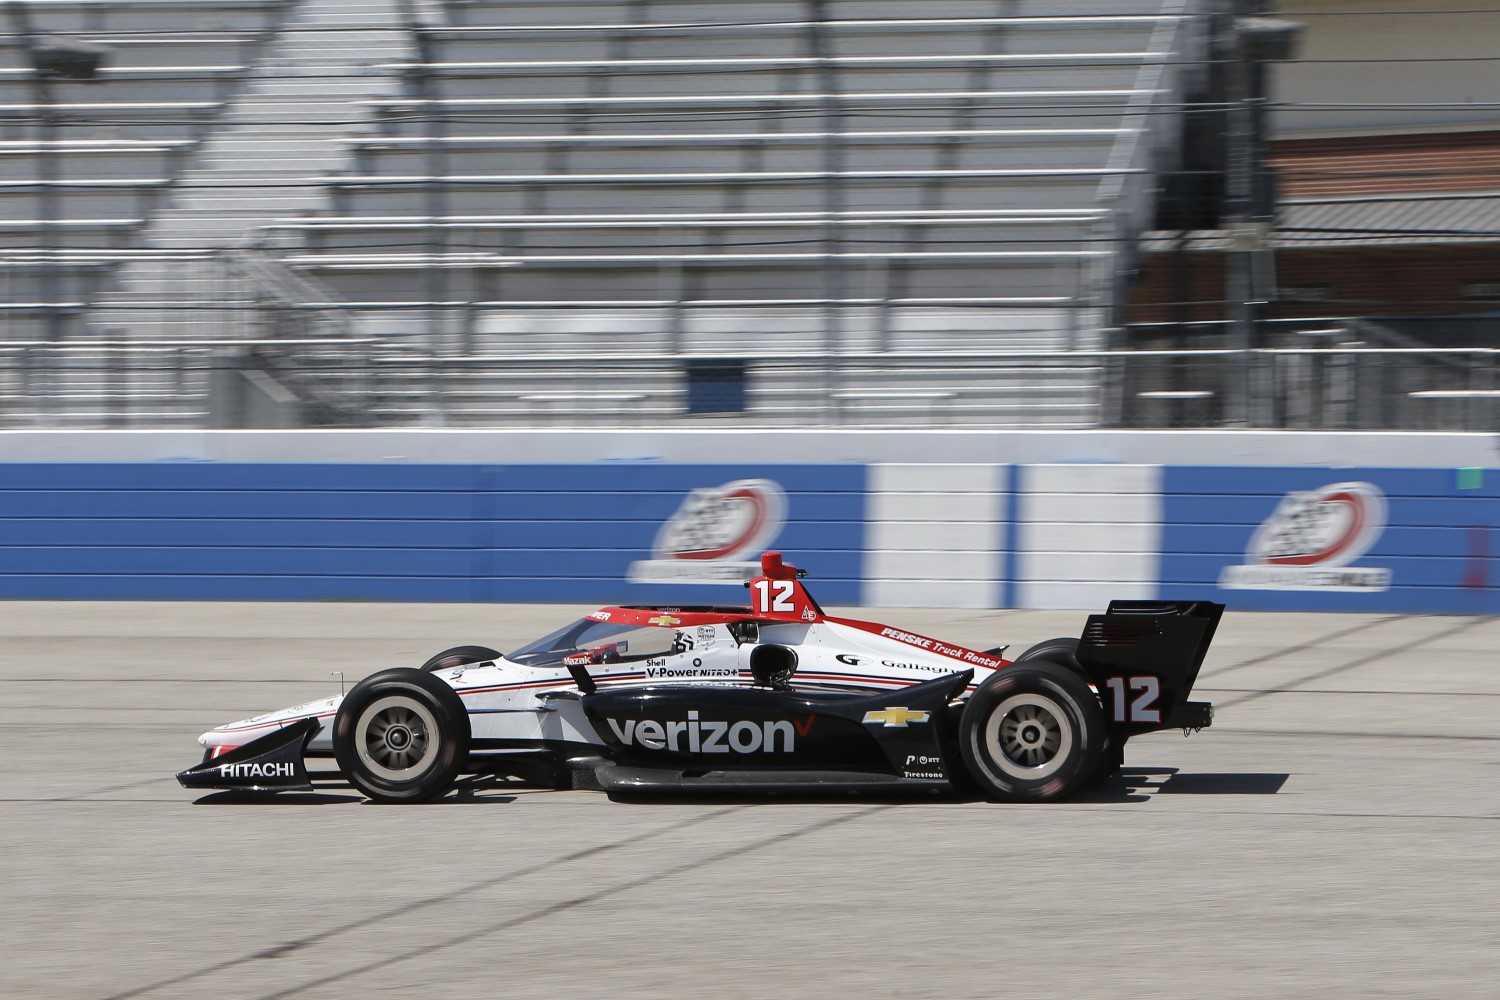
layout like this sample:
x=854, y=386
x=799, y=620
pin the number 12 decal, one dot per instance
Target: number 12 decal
x=765, y=602
x=1143, y=707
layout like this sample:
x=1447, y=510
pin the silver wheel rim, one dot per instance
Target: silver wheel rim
x=396, y=738
x=1028, y=736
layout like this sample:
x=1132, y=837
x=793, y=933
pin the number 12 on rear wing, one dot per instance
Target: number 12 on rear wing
x=1144, y=657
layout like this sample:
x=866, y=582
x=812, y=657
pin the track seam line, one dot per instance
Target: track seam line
x=542, y=913
x=1361, y=661
x=407, y=908
x=1300, y=647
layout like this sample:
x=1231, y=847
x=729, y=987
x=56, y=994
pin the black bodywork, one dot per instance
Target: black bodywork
x=1163, y=639
x=272, y=763
x=681, y=734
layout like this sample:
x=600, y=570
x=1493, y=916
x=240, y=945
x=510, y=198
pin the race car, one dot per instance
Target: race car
x=776, y=695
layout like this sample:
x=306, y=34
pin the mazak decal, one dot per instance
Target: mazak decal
x=715, y=533
x=711, y=735
x=1311, y=538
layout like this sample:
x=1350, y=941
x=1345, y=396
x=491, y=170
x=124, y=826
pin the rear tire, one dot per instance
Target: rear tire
x=401, y=736
x=1062, y=651
x=460, y=656
x=1032, y=732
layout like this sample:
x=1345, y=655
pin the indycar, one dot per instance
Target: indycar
x=776, y=695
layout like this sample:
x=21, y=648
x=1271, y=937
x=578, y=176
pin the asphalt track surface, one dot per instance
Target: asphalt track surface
x=1336, y=832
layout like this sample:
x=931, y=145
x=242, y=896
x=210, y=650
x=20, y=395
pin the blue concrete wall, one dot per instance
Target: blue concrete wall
x=296, y=532
x=571, y=532
x=1437, y=545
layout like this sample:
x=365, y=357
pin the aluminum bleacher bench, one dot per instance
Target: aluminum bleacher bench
x=786, y=258
x=67, y=147
x=487, y=69
x=727, y=177
x=106, y=109
x=112, y=73
x=914, y=217
x=26, y=225
x=1108, y=95
x=501, y=142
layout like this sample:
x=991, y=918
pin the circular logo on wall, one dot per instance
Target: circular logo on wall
x=1311, y=538
x=716, y=534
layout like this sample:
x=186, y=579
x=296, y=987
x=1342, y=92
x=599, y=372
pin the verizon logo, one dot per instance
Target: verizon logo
x=711, y=735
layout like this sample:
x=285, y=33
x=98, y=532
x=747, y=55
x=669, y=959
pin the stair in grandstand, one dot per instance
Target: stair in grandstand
x=263, y=159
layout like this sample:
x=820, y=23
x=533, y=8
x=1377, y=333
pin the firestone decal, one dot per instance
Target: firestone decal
x=1309, y=540
x=923, y=766
x=714, y=533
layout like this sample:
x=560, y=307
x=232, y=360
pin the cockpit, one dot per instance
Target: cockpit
x=592, y=641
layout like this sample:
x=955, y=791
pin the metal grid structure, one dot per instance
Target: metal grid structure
x=487, y=212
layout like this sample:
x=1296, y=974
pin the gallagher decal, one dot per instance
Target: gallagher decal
x=716, y=536
x=1311, y=538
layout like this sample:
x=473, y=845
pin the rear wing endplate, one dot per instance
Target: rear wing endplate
x=1134, y=641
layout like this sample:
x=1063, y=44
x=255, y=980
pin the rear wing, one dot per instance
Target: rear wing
x=1144, y=658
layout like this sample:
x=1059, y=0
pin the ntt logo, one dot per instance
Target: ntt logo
x=1309, y=540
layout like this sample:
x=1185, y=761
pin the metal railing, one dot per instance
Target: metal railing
x=1310, y=388
x=375, y=382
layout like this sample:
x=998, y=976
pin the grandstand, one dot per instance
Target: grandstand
x=490, y=212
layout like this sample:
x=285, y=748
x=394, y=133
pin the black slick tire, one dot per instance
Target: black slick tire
x=460, y=656
x=1062, y=651
x=1032, y=732
x=401, y=736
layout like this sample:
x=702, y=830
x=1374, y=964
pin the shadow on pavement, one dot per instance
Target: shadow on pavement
x=1225, y=783
x=239, y=798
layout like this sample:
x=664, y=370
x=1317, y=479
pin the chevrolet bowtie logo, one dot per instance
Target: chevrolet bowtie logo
x=664, y=620
x=897, y=717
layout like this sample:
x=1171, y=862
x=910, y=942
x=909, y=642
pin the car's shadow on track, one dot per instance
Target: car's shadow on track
x=246, y=798
x=1131, y=785
x=1141, y=784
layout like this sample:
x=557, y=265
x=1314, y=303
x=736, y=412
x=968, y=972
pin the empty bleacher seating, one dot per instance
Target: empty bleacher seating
x=923, y=191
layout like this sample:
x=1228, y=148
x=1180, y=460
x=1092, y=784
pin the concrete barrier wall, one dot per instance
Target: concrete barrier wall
x=1257, y=535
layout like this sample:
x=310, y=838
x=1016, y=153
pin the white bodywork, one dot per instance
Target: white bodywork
x=514, y=701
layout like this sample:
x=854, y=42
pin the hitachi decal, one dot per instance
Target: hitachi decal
x=284, y=770
x=711, y=735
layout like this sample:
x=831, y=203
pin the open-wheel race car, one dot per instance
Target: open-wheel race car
x=776, y=695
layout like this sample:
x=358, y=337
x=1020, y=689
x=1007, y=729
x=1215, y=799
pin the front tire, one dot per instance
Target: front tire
x=401, y=736
x=1032, y=732
x=459, y=656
